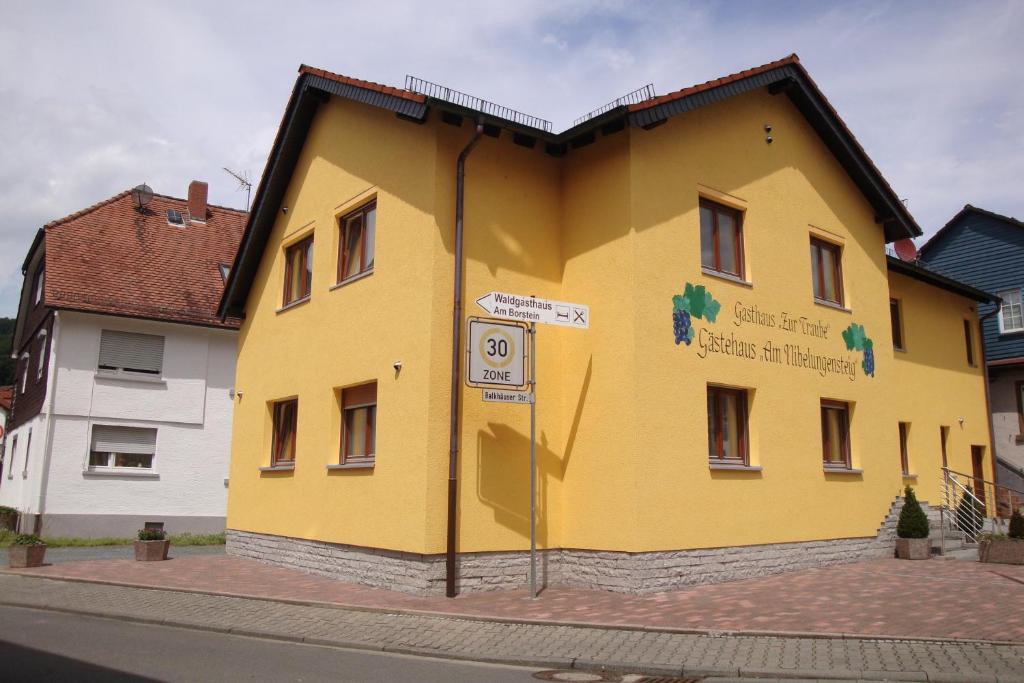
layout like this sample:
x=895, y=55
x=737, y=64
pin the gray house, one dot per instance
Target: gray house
x=986, y=250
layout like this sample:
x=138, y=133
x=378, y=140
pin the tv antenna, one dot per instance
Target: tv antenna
x=243, y=181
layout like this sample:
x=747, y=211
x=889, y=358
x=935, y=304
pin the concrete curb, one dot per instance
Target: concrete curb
x=543, y=663
x=625, y=626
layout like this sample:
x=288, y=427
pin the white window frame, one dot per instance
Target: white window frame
x=124, y=373
x=24, y=373
x=111, y=455
x=14, y=455
x=1019, y=305
x=28, y=452
x=42, y=354
x=40, y=279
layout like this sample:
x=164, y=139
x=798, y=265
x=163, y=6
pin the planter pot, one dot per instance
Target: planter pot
x=1001, y=550
x=21, y=556
x=913, y=548
x=151, y=551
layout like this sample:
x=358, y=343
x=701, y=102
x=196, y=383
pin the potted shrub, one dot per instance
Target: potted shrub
x=8, y=518
x=26, y=551
x=1007, y=549
x=152, y=545
x=912, y=530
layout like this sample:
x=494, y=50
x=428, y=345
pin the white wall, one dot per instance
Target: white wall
x=191, y=409
x=19, y=487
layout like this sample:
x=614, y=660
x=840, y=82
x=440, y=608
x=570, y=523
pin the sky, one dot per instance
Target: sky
x=97, y=97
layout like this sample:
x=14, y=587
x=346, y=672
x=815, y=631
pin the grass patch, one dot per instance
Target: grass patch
x=197, y=539
x=7, y=537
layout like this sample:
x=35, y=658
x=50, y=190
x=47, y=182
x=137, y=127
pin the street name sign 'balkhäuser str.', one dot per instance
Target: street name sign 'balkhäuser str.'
x=535, y=310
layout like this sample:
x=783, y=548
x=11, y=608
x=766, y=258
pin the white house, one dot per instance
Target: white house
x=123, y=392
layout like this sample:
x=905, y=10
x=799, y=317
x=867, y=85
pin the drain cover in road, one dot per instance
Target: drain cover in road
x=577, y=676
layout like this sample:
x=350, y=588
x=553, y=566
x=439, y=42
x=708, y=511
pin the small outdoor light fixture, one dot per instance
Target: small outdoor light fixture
x=768, y=133
x=284, y=209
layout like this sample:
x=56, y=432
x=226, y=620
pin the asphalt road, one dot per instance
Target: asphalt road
x=37, y=645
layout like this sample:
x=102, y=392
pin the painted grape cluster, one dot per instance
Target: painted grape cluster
x=694, y=302
x=857, y=340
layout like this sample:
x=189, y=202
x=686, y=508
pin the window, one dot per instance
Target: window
x=26, y=360
x=38, y=282
x=721, y=238
x=286, y=415
x=122, y=447
x=358, y=237
x=944, y=439
x=904, y=455
x=727, y=425
x=175, y=218
x=969, y=342
x=1011, y=312
x=14, y=454
x=28, y=452
x=835, y=434
x=42, y=355
x=131, y=353
x=897, y=325
x=359, y=425
x=826, y=271
x=298, y=271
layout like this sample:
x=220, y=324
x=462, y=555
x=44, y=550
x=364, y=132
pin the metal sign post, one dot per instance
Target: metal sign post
x=495, y=360
x=533, y=461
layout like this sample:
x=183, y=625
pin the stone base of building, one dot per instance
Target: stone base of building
x=624, y=572
x=116, y=526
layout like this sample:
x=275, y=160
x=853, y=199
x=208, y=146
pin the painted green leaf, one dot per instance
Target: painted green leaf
x=697, y=300
x=690, y=333
x=868, y=344
x=854, y=337
x=711, y=307
x=680, y=304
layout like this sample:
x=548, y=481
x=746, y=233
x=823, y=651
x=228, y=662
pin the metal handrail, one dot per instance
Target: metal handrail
x=983, y=481
x=634, y=97
x=441, y=92
x=967, y=512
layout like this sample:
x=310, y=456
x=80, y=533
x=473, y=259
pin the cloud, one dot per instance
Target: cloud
x=98, y=97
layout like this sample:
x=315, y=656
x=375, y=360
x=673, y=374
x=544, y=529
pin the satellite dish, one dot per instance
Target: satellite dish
x=142, y=195
x=905, y=249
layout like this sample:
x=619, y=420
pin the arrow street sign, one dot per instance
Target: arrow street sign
x=534, y=310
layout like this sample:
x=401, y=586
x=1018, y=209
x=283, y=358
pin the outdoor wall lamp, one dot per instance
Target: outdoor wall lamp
x=768, y=133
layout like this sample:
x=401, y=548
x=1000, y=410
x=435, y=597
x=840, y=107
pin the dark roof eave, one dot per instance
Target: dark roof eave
x=791, y=78
x=930, y=277
x=956, y=219
x=312, y=87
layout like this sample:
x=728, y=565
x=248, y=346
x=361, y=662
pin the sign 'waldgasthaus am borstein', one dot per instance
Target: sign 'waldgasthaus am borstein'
x=794, y=341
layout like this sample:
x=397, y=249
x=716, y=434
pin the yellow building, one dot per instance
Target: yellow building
x=733, y=409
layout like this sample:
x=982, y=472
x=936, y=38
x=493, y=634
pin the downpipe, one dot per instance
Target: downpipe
x=453, y=426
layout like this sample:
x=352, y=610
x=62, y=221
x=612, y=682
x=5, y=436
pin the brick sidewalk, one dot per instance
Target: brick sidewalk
x=543, y=646
x=945, y=599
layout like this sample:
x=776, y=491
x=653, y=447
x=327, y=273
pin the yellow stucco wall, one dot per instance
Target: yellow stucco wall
x=622, y=424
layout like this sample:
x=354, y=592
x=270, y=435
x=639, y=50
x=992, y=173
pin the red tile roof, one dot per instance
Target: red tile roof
x=6, y=394
x=368, y=85
x=708, y=85
x=110, y=258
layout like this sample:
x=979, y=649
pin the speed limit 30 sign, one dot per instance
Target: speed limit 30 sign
x=496, y=353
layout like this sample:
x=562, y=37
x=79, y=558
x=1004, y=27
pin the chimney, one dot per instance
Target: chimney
x=197, y=191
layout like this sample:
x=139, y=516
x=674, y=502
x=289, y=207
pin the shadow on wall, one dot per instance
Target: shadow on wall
x=503, y=471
